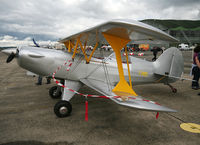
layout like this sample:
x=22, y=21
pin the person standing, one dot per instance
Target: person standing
x=155, y=52
x=40, y=80
x=48, y=80
x=196, y=68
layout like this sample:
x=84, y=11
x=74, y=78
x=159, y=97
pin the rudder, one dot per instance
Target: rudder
x=170, y=63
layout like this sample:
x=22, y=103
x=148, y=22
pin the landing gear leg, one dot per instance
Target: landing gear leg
x=174, y=90
x=63, y=108
x=55, y=92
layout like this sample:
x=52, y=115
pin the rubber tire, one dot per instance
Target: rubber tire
x=60, y=104
x=51, y=93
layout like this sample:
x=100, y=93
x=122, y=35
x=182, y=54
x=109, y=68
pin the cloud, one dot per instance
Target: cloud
x=10, y=41
x=199, y=13
x=50, y=19
x=8, y=38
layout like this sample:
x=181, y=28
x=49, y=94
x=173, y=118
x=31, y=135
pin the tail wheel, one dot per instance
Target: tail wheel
x=53, y=92
x=174, y=90
x=62, y=109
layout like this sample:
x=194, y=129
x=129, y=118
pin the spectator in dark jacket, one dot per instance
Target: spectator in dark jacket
x=196, y=68
x=155, y=52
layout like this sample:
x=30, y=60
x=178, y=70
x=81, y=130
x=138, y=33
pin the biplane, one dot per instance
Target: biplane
x=109, y=76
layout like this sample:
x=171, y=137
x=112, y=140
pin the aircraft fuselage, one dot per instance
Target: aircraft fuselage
x=45, y=61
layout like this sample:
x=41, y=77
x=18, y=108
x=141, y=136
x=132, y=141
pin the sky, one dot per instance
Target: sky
x=20, y=20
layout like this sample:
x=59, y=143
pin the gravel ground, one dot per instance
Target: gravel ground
x=27, y=118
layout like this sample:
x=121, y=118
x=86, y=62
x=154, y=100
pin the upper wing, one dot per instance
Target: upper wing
x=137, y=32
x=134, y=102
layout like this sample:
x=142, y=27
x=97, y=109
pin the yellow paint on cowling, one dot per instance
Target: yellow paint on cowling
x=117, y=43
x=144, y=74
x=191, y=127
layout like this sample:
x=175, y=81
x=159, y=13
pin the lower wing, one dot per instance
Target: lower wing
x=135, y=102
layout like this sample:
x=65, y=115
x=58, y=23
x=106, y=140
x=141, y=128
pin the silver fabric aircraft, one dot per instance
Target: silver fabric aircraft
x=104, y=75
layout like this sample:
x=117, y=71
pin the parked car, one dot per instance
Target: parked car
x=183, y=46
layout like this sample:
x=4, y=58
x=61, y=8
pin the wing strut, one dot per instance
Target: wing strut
x=69, y=45
x=78, y=43
x=117, y=43
x=129, y=74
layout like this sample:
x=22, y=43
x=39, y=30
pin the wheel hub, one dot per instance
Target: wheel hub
x=54, y=93
x=63, y=110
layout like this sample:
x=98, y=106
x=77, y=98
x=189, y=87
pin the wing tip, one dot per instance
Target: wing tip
x=142, y=104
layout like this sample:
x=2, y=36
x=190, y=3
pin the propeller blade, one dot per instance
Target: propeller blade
x=10, y=57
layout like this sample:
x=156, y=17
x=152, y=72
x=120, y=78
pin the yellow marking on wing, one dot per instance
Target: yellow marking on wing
x=144, y=74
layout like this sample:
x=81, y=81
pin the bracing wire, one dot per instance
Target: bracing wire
x=106, y=73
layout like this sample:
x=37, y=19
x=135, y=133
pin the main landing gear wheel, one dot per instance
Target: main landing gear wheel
x=53, y=92
x=62, y=109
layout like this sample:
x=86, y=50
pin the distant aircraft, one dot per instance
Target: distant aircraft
x=108, y=76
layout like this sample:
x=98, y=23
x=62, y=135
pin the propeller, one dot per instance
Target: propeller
x=10, y=57
x=12, y=54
